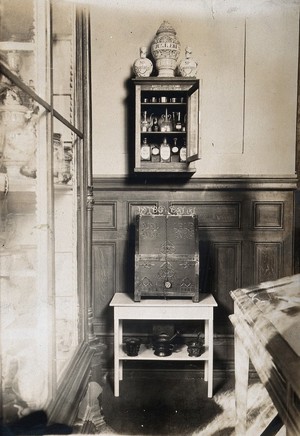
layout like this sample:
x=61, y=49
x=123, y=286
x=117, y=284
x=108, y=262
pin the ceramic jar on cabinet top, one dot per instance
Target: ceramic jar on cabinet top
x=188, y=66
x=165, y=49
x=142, y=67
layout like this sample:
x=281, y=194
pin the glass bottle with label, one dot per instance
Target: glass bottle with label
x=165, y=122
x=182, y=153
x=178, y=124
x=175, y=151
x=174, y=118
x=155, y=153
x=155, y=126
x=145, y=150
x=183, y=129
x=165, y=151
x=146, y=122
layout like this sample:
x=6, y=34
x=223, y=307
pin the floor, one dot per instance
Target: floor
x=162, y=406
x=180, y=407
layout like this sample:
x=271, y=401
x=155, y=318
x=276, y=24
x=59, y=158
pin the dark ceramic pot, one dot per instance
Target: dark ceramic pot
x=132, y=346
x=162, y=344
x=164, y=350
x=195, y=349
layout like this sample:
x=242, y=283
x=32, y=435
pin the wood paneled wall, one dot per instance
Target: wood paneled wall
x=245, y=237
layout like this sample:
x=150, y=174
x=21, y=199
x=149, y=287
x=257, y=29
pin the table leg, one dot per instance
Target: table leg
x=117, y=323
x=209, y=327
x=241, y=360
x=206, y=336
x=120, y=343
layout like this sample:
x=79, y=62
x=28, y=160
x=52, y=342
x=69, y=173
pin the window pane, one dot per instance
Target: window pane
x=17, y=20
x=66, y=205
x=63, y=46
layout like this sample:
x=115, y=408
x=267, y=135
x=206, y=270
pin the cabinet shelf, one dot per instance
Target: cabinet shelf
x=147, y=353
x=163, y=104
x=173, y=132
x=174, y=167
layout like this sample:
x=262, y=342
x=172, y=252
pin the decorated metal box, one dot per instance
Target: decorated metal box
x=166, y=256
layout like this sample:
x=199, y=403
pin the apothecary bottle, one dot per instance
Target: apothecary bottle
x=183, y=128
x=155, y=153
x=165, y=151
x=165, y=122
x=182, y=153
x=144, y=122
x=155, y=126
x=175, y=151
x=145, y=150
x=178, y=123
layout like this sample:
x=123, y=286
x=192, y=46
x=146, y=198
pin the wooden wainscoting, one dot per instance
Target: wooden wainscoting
x=246, y=231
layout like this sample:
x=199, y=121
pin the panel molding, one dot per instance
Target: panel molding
x=215, y=214
x=104, y=278
x=227, y=259
x=109, y=213
x=268, y=215
x=267, y=261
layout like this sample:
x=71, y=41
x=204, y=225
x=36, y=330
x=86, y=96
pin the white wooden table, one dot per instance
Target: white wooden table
x=160, y=309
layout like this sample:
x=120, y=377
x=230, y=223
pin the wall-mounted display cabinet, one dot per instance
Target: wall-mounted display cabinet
x=167, y=124
x=44, y=227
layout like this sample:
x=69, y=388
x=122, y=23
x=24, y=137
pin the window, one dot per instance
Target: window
x=44, y=189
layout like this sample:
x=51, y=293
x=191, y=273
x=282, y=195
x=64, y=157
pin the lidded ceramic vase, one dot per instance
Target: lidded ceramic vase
x=142, y=67
x=165, y=49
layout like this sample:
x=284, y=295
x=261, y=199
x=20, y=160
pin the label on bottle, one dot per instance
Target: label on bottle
x=182, y=154
x=165, y=152
x=175, y=154
x=155, y=154
x=145, y=152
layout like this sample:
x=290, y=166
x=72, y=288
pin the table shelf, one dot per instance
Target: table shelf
x=147, y=353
